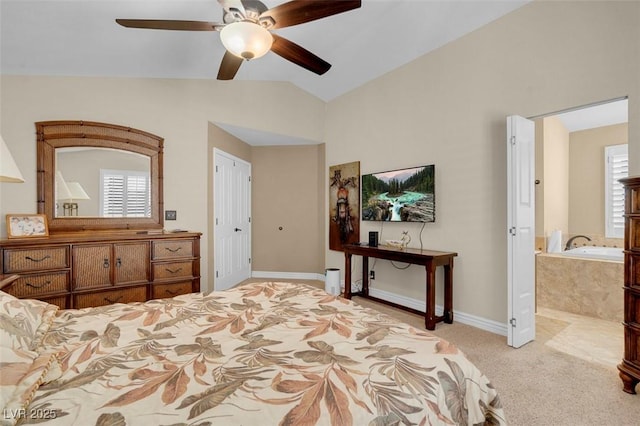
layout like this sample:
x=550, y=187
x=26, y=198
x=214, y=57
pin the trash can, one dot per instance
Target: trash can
x=332, y=281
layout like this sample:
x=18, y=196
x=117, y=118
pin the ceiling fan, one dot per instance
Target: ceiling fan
x=245, y=30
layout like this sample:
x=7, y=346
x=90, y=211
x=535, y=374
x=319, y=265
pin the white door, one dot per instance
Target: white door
x=232, y=222
x=521, y=230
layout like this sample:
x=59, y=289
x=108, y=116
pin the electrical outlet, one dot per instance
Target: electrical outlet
x=170, y=215
x=372, y=275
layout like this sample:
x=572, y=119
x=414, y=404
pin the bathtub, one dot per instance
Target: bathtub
x=594, y=252
x=585, y=281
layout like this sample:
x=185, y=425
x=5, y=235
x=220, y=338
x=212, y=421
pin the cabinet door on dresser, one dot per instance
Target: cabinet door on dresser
x=121, y=269
x=44, y=273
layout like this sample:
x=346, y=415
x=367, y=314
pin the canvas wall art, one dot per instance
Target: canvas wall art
x=344, y=205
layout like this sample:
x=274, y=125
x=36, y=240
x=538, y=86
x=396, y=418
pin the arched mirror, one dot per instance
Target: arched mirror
x=98, y=176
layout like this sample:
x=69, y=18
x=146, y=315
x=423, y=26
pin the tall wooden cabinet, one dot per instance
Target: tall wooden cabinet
x=83, y=269
x=629, y=368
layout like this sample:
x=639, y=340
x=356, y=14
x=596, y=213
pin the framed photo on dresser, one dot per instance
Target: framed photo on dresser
x=27, y=225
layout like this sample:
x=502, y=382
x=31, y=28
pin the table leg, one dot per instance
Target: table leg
x=430, y=314
x=365, y=275
x=347, y=275
x=448, y=292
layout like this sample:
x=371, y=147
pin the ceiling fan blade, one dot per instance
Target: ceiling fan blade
x=229, y=66
x=299, y=12
x=298, y=55
x=161, y=24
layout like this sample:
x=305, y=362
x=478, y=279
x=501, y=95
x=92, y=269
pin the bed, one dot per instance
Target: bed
x=259, y=354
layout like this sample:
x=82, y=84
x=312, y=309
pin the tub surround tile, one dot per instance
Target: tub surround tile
x=581, y=286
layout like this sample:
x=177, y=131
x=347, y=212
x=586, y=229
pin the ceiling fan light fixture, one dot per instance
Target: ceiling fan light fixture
x=246, y=40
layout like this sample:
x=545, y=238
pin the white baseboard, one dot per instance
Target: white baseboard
x=287, y=275
x=462, y=317
x=420, y=305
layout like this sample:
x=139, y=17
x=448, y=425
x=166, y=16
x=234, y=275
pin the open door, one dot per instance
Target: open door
x=521, y=230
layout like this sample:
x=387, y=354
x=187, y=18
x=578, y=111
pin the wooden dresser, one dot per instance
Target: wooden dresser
x=83, y=269
x=629, y=368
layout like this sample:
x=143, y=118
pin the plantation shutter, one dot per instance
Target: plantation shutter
x=125, y=193
x=616, y=167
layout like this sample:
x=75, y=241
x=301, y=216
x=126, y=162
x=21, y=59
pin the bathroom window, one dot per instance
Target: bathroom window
x=125, y=193
x=616, y=167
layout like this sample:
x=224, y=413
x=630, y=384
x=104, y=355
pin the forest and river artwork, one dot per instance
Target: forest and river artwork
x=406, y=195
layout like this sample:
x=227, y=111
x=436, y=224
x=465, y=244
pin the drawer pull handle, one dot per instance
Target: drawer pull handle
x=118, y=262
x=38, y=286
x=106, y=263
x=175, y=271
x=112, y=301
x=173, y=250
x=37, y=260
x=171, y=292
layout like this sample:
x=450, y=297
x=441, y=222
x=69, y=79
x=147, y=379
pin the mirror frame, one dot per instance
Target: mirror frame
x=66, y=134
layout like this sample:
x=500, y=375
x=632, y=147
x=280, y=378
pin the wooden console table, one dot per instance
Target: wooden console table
x=429, y=258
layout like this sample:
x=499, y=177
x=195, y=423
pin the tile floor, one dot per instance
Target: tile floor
x=588, y=338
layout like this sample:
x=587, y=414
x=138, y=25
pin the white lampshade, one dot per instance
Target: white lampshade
x=77, y=191
x=62, y=189
x=246, y=39
x=9, y=171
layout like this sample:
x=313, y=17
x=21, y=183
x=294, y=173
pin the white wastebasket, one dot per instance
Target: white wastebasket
x=332, y=281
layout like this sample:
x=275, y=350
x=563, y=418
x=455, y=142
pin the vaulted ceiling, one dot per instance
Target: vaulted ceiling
x=81, y=38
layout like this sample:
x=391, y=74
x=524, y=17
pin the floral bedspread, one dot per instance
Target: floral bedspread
x=260, y=354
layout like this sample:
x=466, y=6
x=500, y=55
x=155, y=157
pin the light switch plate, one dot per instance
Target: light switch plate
x=170, y=215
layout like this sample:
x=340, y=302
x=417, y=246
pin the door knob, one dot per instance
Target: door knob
x=237, y=230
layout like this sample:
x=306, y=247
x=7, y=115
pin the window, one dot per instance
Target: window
x=616, y=167
x=125, y=193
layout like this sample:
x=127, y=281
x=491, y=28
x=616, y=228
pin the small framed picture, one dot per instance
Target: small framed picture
x=27, y=225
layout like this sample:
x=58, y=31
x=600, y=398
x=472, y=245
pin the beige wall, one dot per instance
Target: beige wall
x=178, y=110
x=449, y=108
x=285, y=189
x=586, y=177
x=556, y=176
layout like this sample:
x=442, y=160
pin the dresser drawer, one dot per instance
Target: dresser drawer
x=172, y=249
x=101, y=298
x=27, y=260
x=30, y=286
x=163, y=271
x=162, y=291
x=61, y=301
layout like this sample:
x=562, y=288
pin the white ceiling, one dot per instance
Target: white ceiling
x=81, y=38
x=590, y=117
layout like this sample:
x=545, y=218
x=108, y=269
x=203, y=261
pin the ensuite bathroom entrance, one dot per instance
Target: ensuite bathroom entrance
x=580, y=155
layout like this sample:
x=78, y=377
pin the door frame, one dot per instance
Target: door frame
x=216, y=188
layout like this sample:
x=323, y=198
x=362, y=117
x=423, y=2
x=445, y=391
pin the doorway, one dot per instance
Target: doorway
x=232, y=220
x=579, y=301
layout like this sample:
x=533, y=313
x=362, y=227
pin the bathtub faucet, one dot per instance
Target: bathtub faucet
x=570, y=241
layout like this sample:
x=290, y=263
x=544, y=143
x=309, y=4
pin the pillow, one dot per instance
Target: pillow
x=24, y=322
x=23, y=368
x=21, y=373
